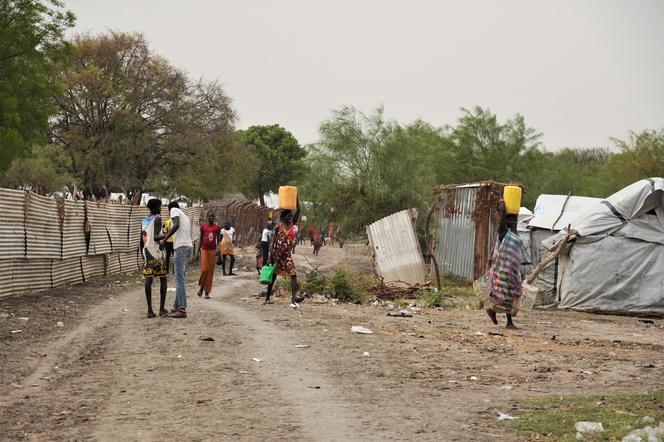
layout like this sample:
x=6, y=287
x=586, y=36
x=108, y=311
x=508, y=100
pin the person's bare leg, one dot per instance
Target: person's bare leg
x=148, y=297
x=163, y=285
x=492, y=316
x=270, y=287
x=230, y=269
x=510, y=324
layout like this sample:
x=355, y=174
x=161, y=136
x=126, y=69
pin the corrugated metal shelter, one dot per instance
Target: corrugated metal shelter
x=465, y=230
x=396, y=250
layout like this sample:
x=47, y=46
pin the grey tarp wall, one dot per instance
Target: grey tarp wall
x=616, y=263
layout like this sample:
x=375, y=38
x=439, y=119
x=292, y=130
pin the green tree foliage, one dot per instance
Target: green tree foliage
x=280, y=157
x=129, y=120
x=364, y=167
x=31, y=43
x=43, y=172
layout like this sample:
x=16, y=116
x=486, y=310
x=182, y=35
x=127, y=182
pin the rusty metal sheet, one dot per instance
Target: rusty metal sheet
x=136, y=216
x=6, y=266
x=73, y=230
x=455, y=247
x=67, y=271
x=12, y=228
x=42, y=227
x=396, y=250
x=113, y=263
x=31, y=275
x=93, y=266
x=117, y=226
x=97, y=215
x=128, y=261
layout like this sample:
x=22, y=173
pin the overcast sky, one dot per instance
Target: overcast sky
x=579, y=71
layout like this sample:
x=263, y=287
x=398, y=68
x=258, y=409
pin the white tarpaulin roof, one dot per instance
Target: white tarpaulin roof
x=616, y=263
x=554, y=212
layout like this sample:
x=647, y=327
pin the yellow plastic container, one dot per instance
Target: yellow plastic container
x=512, y=197
x=288, y=197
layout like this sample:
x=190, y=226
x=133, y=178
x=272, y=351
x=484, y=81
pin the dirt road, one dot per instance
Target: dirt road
x=110, y=374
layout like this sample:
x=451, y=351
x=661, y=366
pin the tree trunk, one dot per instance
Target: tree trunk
x=261, y=197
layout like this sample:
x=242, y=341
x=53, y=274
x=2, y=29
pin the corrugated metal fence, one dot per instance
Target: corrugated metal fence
x=248, y=219
x=396, y=249
x=47, y=243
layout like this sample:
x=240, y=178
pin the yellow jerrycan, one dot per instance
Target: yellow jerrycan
x=512, y=197
x=288, y=197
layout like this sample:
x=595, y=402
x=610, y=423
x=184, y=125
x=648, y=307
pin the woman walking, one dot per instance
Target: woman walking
x=227, y=249
x=317, y=242
x=505, y=270
x=282, y=254
x=207, y=249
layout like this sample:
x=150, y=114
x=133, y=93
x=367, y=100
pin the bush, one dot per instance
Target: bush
x=431, y=298
x=341, y=285
x=315, y=283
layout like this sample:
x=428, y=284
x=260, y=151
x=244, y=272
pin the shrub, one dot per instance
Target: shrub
x=341, y=285
x=315, y=283
x=431, y=298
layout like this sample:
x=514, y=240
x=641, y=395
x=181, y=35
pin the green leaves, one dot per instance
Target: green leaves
x=280, y=157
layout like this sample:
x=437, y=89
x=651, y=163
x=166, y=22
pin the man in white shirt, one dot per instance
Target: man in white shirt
x=182, y=244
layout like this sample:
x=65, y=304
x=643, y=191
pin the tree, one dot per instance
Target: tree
x=129, y=120
x=31, y=43
x=280, y=157
x=44, y=172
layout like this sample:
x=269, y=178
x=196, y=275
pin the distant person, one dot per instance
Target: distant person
x=227, y=249
x=317, y=242
x=332, y=232
x=182, y=244
x=259, y=258
x=282, y=254
x=296, y=230
x=266, y=234
x=169, y=245
x=207, y=249
x=505, y=270
x=154, y=265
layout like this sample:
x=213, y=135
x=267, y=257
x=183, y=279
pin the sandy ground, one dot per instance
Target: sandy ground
x=110, y=374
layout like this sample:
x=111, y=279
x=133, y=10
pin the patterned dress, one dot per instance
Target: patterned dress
x=505, y=274
x=153, y=256
x=282, y=251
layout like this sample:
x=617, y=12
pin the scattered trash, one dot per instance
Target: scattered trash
x=171, y=289
x=23, y=319
x=207, y=338
x=316, y=387
x=495, y=334
x=16, y=385
x=244, y=372
x=60, y=324
x=553, y=338
x=365, y=354
x=179, y=356
x=256, y=360
x=647, y=321
x=125, y=310
x=474, y=378
x=361, y=330
x=15, y=331
x=586, y=372
x=479, y=333
x=400, y=314
x=647, y=433
x=507, y=387
x=504, y=416
x=302, y=346
x=451, y=381
x=583, y=428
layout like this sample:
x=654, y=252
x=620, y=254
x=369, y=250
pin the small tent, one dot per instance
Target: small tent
x=552, y=213
x=615, y=263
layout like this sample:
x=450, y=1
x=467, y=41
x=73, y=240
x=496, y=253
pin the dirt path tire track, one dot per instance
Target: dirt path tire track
x=320, y=409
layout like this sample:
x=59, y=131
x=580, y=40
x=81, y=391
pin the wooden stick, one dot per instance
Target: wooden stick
x=551, y=256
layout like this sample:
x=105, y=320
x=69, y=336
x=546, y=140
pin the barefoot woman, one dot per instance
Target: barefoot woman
x=505, y=271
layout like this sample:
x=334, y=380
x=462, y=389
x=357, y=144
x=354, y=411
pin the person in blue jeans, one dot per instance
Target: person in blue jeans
x=182, y=245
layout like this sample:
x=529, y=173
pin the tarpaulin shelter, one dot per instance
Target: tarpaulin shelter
x=552, y=213
x=615, y=263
